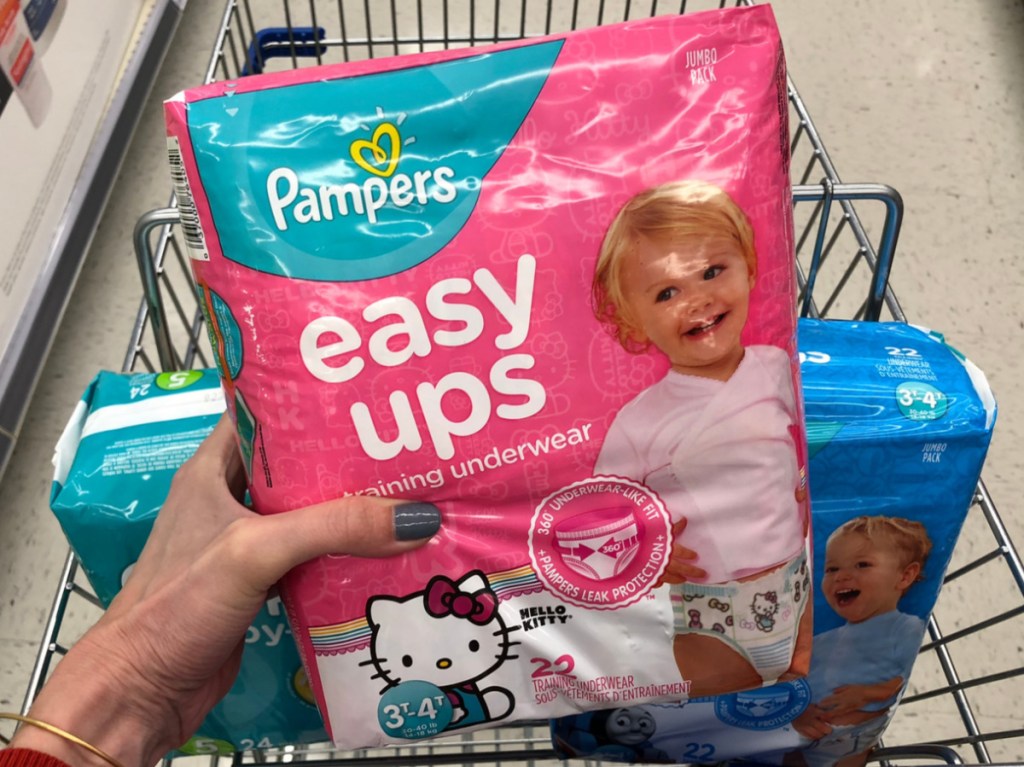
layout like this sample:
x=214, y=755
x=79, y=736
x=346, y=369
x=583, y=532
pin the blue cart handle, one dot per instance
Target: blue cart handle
x=274, y=42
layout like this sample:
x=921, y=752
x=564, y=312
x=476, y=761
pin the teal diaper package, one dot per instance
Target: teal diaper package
x=114, y=462
x=898, y=424
x=113, y=469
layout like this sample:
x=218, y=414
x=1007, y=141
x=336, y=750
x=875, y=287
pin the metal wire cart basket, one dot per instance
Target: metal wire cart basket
x=846, y=240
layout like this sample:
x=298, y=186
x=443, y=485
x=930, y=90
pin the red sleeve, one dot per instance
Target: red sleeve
x=26, y=757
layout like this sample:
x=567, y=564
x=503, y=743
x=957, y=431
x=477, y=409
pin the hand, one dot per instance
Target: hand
x=844, y=700
x=851, y=698
x=800, y=495
x=140, y=682
x=680, y=568
x=812, y=724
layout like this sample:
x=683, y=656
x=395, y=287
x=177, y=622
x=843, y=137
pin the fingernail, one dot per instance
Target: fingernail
x=415, y=521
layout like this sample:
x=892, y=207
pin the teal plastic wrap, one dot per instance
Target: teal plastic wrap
x=113, y=469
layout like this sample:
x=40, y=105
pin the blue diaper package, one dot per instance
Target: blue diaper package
x=898, y=424
x=113, y=468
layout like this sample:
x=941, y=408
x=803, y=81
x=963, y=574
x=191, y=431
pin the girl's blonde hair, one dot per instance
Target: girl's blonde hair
x=670, y=213
x=909, y=539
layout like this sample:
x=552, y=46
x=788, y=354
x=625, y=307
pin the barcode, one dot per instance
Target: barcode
x=194, y=240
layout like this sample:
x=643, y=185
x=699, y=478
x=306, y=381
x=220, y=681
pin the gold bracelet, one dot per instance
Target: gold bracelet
x=53, y=730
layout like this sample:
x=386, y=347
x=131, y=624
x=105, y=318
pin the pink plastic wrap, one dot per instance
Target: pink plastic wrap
x=399, y=260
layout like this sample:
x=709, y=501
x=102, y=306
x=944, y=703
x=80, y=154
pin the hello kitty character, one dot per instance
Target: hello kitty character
x=764, y=607
x=450, y=635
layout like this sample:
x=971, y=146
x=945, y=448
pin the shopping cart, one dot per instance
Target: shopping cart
x=846, y=239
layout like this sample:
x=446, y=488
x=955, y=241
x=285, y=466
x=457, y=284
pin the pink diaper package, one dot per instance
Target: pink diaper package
x=548, y=287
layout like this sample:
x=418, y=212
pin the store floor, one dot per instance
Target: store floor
x=927, y=97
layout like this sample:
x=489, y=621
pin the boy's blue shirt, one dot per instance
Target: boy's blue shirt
x=870, y=652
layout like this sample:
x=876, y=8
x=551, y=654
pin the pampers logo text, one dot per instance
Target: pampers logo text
x=378, y=156
x=351, y=178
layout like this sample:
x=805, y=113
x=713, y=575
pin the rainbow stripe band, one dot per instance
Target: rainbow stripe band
x=514, y=583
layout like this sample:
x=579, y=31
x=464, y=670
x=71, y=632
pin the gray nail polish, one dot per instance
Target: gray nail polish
x=414, y=521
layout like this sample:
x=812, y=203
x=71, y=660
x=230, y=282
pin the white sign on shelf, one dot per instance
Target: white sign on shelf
x=59, y=63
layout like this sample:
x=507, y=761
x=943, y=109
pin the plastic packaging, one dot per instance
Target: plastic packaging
x=43, y=18
x=898, y=426
x=20, y=63
x=415, y=288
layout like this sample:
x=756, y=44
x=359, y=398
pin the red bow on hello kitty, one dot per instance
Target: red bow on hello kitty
x=443, y=597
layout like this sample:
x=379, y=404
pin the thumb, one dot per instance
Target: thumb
x=363, y=526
